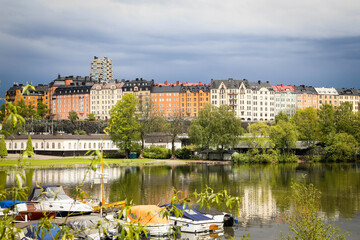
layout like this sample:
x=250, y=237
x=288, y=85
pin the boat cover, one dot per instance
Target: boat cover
x=10, y=203
x=205, y=210
x=189, y=214
x=31, y=232
x=48, y=192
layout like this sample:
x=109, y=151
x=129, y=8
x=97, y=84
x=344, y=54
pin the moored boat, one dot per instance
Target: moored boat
x=192, y=221
x=149, y=216
x=52, y=198
x=31, y=211
x=227, y=218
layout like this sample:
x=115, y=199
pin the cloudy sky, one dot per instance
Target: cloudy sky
x=312, y=42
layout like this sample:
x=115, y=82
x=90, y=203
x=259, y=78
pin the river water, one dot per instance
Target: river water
x=263, y=189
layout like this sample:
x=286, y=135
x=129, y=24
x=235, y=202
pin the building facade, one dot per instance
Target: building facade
x=251, y=101
x=42, y=93
x=327, y=95
x=71, y=98
x=306, y=96
x=349, y=95
x=101, y=69
x=104, y=97
x=165, y=101
x=139, y=87
x=285, y=99
x=193, y=99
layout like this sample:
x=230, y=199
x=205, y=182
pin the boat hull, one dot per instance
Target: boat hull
x=31, y=211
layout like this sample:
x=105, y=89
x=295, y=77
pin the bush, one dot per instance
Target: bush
x=3, y=150
x=183, y=153
x=157, y=152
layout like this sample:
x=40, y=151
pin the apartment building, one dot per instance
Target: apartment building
x=350, y=95
x=306, y=96
x=251, y=101
x=193, y=99
x=165, y=101
x=141, y=88
x=14, y=94
x=101, y=69
x=327, y=95
x=285, y=99
x=71, y=98
x=103, y=97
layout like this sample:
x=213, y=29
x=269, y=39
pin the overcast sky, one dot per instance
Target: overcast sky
x=312, y=42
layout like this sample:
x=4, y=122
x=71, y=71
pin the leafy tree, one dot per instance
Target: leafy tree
x=216, y=127
x=307, y=125
x=259, y=133
x=2, y=112
x=326, y=121
x=175, y=127
x=344, y=118
x=29, y=146
x=283, y=136
x=91, y=117
x=281, y=116
x=123, y=125
x=3, y=150
x=12, y=117
x=73, y=116
x=42, y=110
x=341, y=147
x=148, y=122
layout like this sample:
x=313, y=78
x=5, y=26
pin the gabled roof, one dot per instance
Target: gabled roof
x=229, y=83
x=166, y=89
x=348, y=91
x=305, y=89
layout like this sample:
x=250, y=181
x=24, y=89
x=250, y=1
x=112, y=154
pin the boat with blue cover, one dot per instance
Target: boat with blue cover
x=192, y=221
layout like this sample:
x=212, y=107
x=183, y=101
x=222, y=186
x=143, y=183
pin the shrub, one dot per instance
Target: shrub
x=157, y=152
x=3, y=150
x=183, y=153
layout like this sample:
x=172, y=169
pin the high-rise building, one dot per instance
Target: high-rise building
x=101, y=69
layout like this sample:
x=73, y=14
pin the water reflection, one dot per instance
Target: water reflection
x=264, y=189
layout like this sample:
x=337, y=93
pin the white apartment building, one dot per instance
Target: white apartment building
x=285, y=100
x=103, y=97
x=101, y=70
x=251, y=101
x=350, y=95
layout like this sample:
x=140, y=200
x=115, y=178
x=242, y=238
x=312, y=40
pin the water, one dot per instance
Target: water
x=264, y=189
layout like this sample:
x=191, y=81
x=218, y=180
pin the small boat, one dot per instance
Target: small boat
x=227, y=218
x=150, y=216
x=194, y=222
x=8, y=205
x=31, y=211
x=52, y=198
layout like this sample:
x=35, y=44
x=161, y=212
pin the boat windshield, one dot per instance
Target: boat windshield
x=49, y=193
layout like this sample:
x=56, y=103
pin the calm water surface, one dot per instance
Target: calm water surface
x=264, y=189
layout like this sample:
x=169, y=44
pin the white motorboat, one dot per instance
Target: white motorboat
x=227, y=218
x=194, y=222
x=52, y=198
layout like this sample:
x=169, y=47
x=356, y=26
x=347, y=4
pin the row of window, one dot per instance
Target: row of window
x=53, y=145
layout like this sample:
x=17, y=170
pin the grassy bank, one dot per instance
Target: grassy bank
x=73, y=161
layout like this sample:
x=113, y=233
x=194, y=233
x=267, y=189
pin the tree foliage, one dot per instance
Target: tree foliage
x=307, y=125
x=259, y=133
x=73, y=116
x=281, y=116
x=175, y=127
x=3, y=149
x=326, y=120
x=216, y=127
x=123, y=125
x=283, y=135
x=341, y=147
x=42, y=110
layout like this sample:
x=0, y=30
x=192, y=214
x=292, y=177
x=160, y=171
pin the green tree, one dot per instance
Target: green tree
x=307, y=125
x=341, y=147
x=281, y=116
x=326, y=121
x=73, y=116
x=3, y=150
x=345, y=118
x=148, y=122
x=29, y=145
x=259, y=134
x=175, y=127
x=123, y=125
x=42, y=110
x=91, y=117
x=216, y=127
x=283, y=135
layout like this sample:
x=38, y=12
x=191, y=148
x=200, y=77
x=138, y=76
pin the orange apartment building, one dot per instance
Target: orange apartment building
x=306, y=96
x=71, y=98
x=14, y=94
x=165, y=101
x=139, y=87
x=193, y=99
